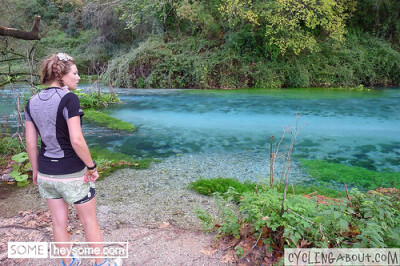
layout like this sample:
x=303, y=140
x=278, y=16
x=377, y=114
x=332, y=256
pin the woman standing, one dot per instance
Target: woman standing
x=63, y=168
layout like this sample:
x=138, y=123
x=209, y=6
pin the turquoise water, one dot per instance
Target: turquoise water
x=358, y=128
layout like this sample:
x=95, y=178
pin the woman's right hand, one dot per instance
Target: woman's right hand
x=34, y=177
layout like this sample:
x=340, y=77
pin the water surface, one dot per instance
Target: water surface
x=358, y=128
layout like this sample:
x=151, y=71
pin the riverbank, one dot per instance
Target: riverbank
x=151, y=209
x=160, y=192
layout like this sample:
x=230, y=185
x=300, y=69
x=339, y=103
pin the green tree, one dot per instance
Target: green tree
x=135, y=13
x=293, y=25
x=381, y=17
x=297, y=25
x=202, y=16
x=72, y=28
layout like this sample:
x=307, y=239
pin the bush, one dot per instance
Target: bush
x=371, y=220
x=10, y=146
x=93, y=99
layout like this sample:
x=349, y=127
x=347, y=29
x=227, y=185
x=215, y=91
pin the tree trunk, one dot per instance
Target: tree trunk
x=25, y=35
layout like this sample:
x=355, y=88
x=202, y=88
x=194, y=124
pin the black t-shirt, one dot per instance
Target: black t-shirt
x=49, y=110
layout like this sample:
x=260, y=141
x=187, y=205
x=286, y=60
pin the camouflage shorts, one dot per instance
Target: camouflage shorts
x=69, y=187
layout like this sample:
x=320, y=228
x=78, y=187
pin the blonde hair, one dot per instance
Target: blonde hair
x=55, y=67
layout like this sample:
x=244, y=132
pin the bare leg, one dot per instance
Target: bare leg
x=59, y=218
x=88, y=217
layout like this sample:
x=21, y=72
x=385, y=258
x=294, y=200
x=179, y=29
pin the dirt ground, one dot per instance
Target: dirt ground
x=149, y=244
x=155, y=217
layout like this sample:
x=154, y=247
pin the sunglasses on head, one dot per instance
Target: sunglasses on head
x=63, y=57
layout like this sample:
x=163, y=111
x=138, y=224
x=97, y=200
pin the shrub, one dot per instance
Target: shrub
x=10, y=146
x=93, y=99
x=192, y=62
x=371, y=220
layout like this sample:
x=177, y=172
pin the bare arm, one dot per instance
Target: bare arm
x=31, y=137
x=79, y=145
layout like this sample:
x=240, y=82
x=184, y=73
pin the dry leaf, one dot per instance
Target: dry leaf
x=230, y=257
x=304, y=243
x=31, y=224
x=245, y=230
x=208, y=251
x=165, y=225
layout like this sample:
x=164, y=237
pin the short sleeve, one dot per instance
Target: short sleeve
x=72, y=106
x=27, y=112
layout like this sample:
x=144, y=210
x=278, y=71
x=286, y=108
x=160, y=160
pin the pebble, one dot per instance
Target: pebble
x=7, y=178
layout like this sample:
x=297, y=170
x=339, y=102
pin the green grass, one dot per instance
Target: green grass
x=306, y=189
x=350, y=175
x=221, y=185
x=107, y=121
x=210, y=186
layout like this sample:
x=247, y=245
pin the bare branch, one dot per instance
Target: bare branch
x=347, y=194
x=308, y=220
x=20, y=34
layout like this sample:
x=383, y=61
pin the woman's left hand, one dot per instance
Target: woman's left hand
x=90, y=176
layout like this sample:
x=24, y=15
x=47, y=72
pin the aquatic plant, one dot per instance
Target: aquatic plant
x=352, y=175
x=107, y=121
x=109, y=161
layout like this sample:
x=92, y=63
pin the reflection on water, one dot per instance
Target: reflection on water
x=354, y=127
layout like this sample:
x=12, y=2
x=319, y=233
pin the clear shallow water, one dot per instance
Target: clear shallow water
x=354, y=127
x=360, y=128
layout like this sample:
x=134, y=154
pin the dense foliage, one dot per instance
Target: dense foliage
x=213, y=44
x=96, y=99
x=369, y=220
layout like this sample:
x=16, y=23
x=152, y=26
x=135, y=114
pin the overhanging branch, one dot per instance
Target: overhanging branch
x=25, y=35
